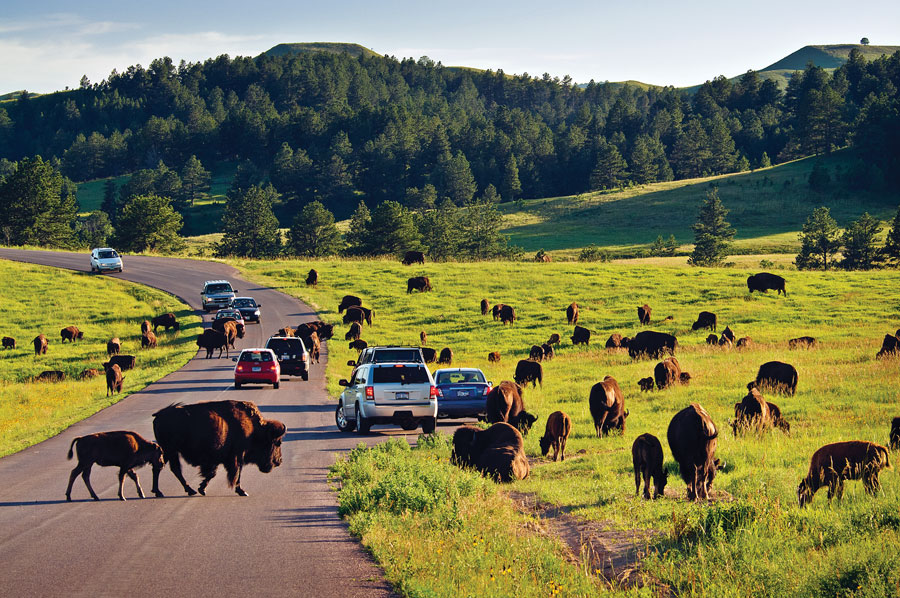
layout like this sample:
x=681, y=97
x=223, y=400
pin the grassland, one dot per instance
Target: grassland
x=759, y=543
x=38, y=299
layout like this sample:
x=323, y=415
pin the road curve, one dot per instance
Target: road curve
x=285, y=539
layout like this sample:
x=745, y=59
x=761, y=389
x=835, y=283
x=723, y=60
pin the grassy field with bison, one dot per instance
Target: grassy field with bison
x=429, y=524
x=39, y=299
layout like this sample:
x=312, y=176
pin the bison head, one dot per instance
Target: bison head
x=524, y=422
x=463, y=452
x=265, y=451
x=804, y=493
x=79, y=335
x=545, y=441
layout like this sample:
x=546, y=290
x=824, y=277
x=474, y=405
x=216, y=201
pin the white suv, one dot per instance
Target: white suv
x=402, y=394
x=105, y=259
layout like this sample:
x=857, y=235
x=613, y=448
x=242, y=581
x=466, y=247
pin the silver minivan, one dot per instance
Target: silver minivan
x=105, y=259
x=402, y=394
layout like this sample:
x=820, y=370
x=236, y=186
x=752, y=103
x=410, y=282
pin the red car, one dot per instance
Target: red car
x=257, y=365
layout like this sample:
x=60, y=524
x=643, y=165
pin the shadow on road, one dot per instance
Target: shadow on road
x=297, y=408
x=318, y=516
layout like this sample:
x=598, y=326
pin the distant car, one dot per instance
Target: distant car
x=231, y=313
x=388, y=393
x=292, y=355
x=248, y=307
x=216, y=294
x=388, y=355
x=105, y=259
x=461, y=392
x=256, y=365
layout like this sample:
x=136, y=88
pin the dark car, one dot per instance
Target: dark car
x=248, y=307
x=461, y=392
x=291, y=354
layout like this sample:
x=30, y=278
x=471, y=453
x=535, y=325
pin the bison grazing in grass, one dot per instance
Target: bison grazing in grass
x=495, y=311
x=166, y=321
x=359, y=344
x=668, y=372
x=485, y=307
x=506, y=403
x=446, y=357
x=229, y=433
x=88, y=374
x=755, y=413
x=581, y=336
x=834, y=463
x=728, y=334
x=777, y=376
x=745, y=342
x=114, y=378
x=211, y=340
x=644, y=314
x=507, y=314
x=572, y=313
x=413, y=257
x=554, y=339
x=890, y=346
x=529, y=371
x=646, y=384
x=549, y=353
x=617, y=341
x=536, y=353
x=429, y=354
x=125, y=362
x=40, y=344
x=647, y=458
x=71, y=334
x=9, y=342
x=895, y=434
x=51, y=376
x=354, y=332
x=358, y=313
x=559, y=425
x=312, y=279
x=692, y=439
x=706, y=319
x=494, y=357
x=649, y=345
x=713, y=340
x=145, y=326
x=113, y=346
x=802, y=342
x=607, y=405
x=122, y=449
x=348, y=301
x=148, y=340
x=498, y=452
x=418, y=283
x=764, y=282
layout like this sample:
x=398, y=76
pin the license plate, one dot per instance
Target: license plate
x=401, y=395
x=462, y=393
x=257, y=369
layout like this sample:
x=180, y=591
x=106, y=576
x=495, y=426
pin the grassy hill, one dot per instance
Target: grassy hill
x=332, y=47
x=767, y=207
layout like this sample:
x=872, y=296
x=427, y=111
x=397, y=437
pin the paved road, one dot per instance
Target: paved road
x=285, y=539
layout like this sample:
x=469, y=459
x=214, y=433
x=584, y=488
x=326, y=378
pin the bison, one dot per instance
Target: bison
x=712, y=339
x=358, y=313
x=359, y=344
x=834, y=463
x=895, y=434
x=549, y=353
x=423, y=338
x=354, y=332
x=778, y=376
x=429, y=354
x=228, y=433
x=581, y=336
x=312, y=279
x=485, y=307
x=148, y=340
x=413, y=257
x=123, y=449
x=553, y=340
x=228, y=327
x=646, y=384
x=312, y=343
x=728, y=334
x=617, y=341
x=668, y=372
x=145, y=326
x=446, y=356
x=506, y=403
x=536, y=353
x=125, y=362
x=88, y=374
x=763, y=282
x=745, y=342
x=755, y=413
x=113, y=346
x=652, y=345
x=494, y=357
x=706, y=319
x=559, y=425
x=71, y=334
x=647, y=458
x=495, y=311
x=890, y=346
x=114, y=378
x=50, y=376
x=692, y=439
x=498, y=452
x=607, y=405
x=285, y=331
x=40, y=344
x=348, y=301
x=572, y=313
x=9, y=342
x=166, y=321
x=507, y=314
x=211, y=340
x=529, y=371
x=418, y=283
x=802, y=342
x=644, y=314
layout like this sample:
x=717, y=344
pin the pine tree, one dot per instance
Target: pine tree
x=671, y=246
x=658, y=246
x=441, y=231
x=480, y=224
x=512, y=187
x=357, y=235
x=860, y=252
x=249, y=225
x=392, y=230
x=37, y=205
x=455, y=177
x=148, y=223
x=818, y=240
x=313, y=233
x=94, y=230
x=764, y=161
x=194, y=180
x=610, y=169
x=643, y=168
x=712, y=233
x=892, y=246
x=110, y=203
x=490, y=194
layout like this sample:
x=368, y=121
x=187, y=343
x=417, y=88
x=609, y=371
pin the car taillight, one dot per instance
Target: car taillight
x=435, y=392
x=272, y=366
x=487, y=390
x=370, y=393
x=240, y=368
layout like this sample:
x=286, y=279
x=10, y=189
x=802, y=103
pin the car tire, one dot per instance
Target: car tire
x=343, y=424
x=409, y=424
x=237, y=385
x=305, y=376
x=275, y=385
x=428, y=425
x=362, y=423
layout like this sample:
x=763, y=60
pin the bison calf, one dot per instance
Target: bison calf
x=646, y=384
x=9, y=342
x=647, y=457
x=559, y=425
x=148, y=340
x=114, y=378
x=125, y=450
x=446, y=356
x=802, y=342
x=834, y=463
x=71, y=334
x=494, y=356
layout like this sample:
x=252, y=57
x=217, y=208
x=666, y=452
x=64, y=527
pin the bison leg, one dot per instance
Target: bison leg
x=156, y=491
x=234, y=476
x=562, y=449
x=137, y=484
x=601, y=425
x=77, y=470
x=122, y=472
x=86, y=476
x=175, y=465
x=637, y=481
x=208, y=472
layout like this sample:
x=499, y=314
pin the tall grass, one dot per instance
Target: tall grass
x=38, y=299
x=761, y=539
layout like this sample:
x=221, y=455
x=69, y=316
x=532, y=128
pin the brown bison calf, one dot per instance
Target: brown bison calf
x=494, y=356
x=745, y=342
x=114, y=378
x=644, y=312
x=148, y=340
x=498, y=452
x=125, y=450
x=40, y=344
x=572, y=313
x=802, y=342
x=895, y=434
x=559, y=425
x=9, y=342
x=113, y=346
x=553, y=340
x=446, y=357
x=607, y=405
x=834, y=463
x=71, y=334
x=88, y=373
x=50, y=376
x=485, y=307
x=646, y=384
x=647, y=457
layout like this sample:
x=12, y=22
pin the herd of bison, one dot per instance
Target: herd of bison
x=234, y=433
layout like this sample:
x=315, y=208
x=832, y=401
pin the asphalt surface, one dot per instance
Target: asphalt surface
x=284, y=539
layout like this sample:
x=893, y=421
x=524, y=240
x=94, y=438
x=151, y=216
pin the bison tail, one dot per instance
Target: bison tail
x=884, y=458
x=71, y=446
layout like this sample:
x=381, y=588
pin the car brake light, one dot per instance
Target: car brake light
x=435, y=392
x=487, y=390
x=240, y=368
x=272, y=367
x=370, y=393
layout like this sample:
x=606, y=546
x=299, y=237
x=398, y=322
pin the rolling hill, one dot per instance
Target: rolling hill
x=328, y=47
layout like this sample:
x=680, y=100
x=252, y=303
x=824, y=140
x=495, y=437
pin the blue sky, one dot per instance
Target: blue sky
x=45, y=46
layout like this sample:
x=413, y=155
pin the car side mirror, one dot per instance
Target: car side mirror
x=351, y=362
x=343, y=382
x=234, y=359
x=259, y=305
x=491, y=384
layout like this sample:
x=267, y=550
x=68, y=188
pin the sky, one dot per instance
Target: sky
x=47, y=46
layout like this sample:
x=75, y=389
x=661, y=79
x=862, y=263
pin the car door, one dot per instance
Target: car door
x=352, y=394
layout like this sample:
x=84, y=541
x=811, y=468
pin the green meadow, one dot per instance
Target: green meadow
x=753, y=540
x=38, y=299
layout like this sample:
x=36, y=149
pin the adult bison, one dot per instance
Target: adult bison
x=348, y=301
x=71, y=334
x=834, y=463
x=148, y=340
x=506, y=403
x=644, y=314
x=228, y=433
x=894, y=436
x=211, y=340
x=507, y=314
x=802, y=342
x=125, y=362
x=446, y=356
x=607, y=405
x=51, y=376
x=890, y=346
x=413, y=257
x=764, y=282
x=692, y=439
x=418, y=283
x=572, y=313
x=529, y=371
x=40, y=344
x=312, y=278
x=549, y=353
x=581, y=336
x=536, y=353
x=778, y=376
x=554, y=339
x=359, y=344
x=485, y=307
x=113, y=346
x=494, y=357
x=495, y=311
x=354, y=333
x=652, y=345
x=498, y=452
x=706, y=319
x=668, y=373
x=359, y=314
x=9, y=342
x=166, y=321
x=228, y=327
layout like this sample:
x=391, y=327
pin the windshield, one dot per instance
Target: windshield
x=400, y=374
x=105, y=255
x=256, y=356
x=219, y=288
x=283, y=346
x=397, y=355
x=244, y=303
x=460, y=377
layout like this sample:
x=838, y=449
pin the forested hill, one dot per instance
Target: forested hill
x=307, y=47
x=340, y=128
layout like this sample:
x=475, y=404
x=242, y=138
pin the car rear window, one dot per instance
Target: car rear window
x=285, y=345
x=228, y=314
x=397, y=355
x=400, y=375
x=105, y=255
x=244, y=303
x=256, y=356
x=460, y=377
x=219, y=288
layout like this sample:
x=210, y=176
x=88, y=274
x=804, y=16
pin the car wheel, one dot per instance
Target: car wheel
x=428, y=425
x=275, y=385
x=305, y=376
x=237, y=385
x=409, y=424
x=343, y=424
x=362, y=423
